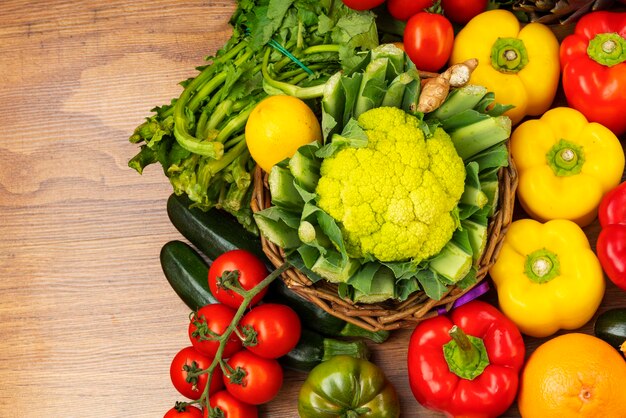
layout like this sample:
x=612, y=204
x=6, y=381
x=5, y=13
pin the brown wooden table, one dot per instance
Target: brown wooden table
x=88, y=324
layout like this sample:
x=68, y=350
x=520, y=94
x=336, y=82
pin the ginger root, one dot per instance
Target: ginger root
x=436, y=89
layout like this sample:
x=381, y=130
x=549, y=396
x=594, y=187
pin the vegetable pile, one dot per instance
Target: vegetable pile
x=382, y=178
x=290, y=46
x=396, y=200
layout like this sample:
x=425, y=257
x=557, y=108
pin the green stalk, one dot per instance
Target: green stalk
x=491, y=189
x=412, y=91
x=477, y=234
x=395, y=91
x=181, y=124
x=144, y=158
x=235, y=124
x=356, y=349
x=215, y=166
x=282, y=189
x=350, y=330
x=382, y=288
x=474, y=196
x=395, y=56
x=372, y=88
x=472, y=139
x=452, y=262
x=221, y=111
x=234, y=141
x=275, y=229
x=201, y=125
x=194, y=103
x=298, y=72
x=289, y=89
x=459, y=100
x=321, y=48
x=333, y=105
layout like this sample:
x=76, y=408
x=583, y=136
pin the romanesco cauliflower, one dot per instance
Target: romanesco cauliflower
x=394, y=199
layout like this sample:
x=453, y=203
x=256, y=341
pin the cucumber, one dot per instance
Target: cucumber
x=611, y=327
x=317, y=319
x=313, y=348
x=187, y=273
x=212, y=232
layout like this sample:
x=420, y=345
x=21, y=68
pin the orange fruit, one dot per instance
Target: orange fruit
x=277, y=127
x=573, y=375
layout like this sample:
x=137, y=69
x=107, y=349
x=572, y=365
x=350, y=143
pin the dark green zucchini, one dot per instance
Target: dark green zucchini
x=317, y=319
x=313, y=348
x=213, y=232
x=611, y=327
x=187, y=273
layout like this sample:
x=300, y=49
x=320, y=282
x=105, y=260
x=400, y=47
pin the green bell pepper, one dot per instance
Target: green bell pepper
x=346, y=387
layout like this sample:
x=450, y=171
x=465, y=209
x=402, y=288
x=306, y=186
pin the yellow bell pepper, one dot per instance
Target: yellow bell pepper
x=547, y=277
x=565, y=165
x=520, y=65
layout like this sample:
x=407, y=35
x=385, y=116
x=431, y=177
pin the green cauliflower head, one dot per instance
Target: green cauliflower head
x=394, y=199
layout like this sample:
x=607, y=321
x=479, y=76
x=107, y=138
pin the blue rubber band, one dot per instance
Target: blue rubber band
x=286, y=53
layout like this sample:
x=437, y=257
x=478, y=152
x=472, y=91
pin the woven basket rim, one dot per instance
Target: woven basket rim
x=390, y=315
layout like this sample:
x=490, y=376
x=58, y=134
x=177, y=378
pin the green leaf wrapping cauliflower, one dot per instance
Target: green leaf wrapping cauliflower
x=396, y=198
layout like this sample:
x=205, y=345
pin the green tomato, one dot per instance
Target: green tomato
x=347, y=387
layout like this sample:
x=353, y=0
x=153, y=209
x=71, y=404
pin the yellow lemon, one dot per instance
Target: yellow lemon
x=277, y=127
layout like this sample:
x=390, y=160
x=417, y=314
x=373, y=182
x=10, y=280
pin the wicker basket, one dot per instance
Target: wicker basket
x=389, y=315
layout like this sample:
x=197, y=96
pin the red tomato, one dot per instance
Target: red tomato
x=251, y=272
x=185, y=411
x=277, y=327
x=262, y=381
x=215, y=318
x=188, y=360
x=462, y=11
x=428, y=39
x=404, y=9
x=363, y=4
x=231, y=407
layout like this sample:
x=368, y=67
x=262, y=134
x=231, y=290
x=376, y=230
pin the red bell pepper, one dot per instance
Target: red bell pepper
x=593, y=65
x=466, y=364
x=611, y=244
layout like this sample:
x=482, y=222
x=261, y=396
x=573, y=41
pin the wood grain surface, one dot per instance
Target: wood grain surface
x=88, y=323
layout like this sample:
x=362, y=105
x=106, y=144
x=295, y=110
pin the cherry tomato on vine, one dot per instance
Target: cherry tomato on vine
x=251, y=272
x=462, y=11
x=261, y=378
x=187, y=362
x=404, y=9
x=428, y=40
x=213, y=318
x=363, y=4
x=186, y=411
x=230, y=406
x=277, y=329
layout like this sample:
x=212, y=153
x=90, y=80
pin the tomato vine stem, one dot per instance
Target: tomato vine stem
x=247, y=296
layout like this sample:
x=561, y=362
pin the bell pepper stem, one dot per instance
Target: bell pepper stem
x=466, y=355
x=542, y=266
x=607, y=49
x=565, y=158
x=508, y=55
